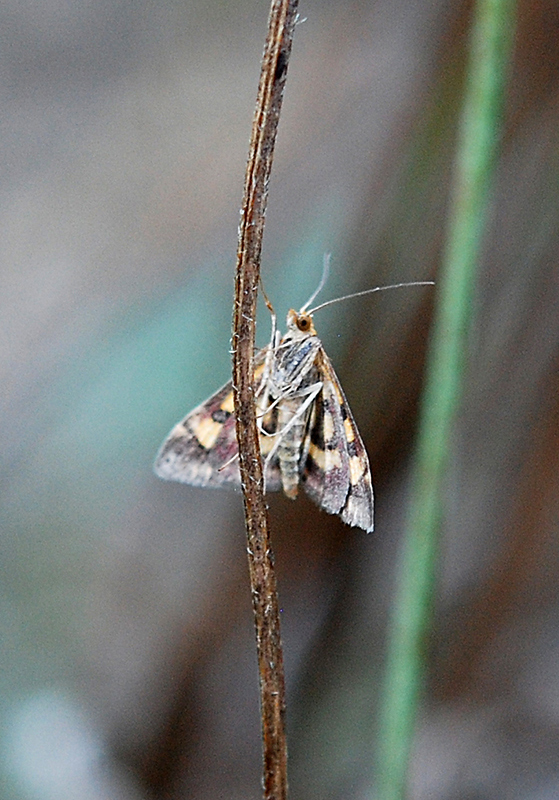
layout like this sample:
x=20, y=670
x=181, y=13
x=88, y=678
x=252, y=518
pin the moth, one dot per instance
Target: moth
x=306, y=429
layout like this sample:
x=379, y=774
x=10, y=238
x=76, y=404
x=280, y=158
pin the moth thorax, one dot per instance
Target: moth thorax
x=300, y=321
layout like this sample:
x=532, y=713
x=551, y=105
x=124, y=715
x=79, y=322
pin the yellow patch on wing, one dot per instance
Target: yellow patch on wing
x=357, y=468
x=206, y=431
x=228, y=404
x=325, y=460
x=334, y=379
x=328, y=427
x=318, y=456
x=348, y=428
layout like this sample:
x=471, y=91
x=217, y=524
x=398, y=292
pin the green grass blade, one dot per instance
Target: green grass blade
x=492, y=36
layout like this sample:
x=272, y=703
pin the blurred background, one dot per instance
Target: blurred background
x=128, y=661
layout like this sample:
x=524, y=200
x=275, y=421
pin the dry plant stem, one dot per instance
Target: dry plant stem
x=263, y=582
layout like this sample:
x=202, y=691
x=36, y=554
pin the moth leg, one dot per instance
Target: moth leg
x=265, y=379
x=229, y=461
x=263, y=411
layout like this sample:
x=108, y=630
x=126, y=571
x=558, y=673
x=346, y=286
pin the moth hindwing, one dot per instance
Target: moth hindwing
x=307, y=433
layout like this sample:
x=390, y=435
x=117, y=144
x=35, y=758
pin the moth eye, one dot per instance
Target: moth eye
x=303, y=323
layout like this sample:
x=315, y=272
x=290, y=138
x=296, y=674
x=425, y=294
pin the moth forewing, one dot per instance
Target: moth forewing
x=203, y=442
x=336, y=470
x=202, y=449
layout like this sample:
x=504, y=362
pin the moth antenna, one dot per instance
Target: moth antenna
x=325, y=273
x=366, y=291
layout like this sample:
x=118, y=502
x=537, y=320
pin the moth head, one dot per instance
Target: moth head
x=300, y=321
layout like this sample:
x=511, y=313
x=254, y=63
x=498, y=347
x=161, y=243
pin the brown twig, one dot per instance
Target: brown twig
x=262, y=577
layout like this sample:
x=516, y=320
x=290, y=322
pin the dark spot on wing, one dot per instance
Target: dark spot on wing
x=317, y=432
x=220, y=415
x=270, y=421
x=310, y=467
x=317, y=436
